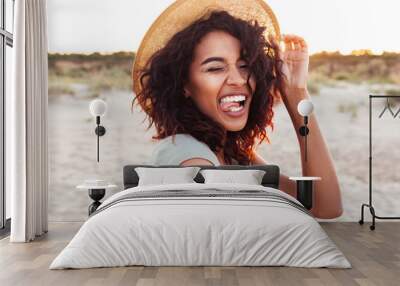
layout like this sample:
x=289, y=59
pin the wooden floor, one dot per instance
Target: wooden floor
x=374, y=255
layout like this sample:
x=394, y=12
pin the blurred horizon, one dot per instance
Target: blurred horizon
x=101, y=72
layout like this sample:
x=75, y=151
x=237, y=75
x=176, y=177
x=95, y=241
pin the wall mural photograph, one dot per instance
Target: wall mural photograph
x=225, y=91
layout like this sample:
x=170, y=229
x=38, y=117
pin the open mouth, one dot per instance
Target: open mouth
x=233, y=104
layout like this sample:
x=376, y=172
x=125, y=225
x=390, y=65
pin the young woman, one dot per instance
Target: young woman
x=210, y=93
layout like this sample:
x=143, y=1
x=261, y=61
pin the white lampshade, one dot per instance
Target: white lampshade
x=305, y=107
x=98, y=107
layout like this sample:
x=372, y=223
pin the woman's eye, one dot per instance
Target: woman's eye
x=214, y=69
x=243, y=66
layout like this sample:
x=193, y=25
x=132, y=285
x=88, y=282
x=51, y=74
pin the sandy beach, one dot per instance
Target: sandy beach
x=341, y=110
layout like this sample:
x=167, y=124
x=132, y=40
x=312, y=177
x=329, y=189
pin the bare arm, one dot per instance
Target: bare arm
x=328, y=203
x=319, y=163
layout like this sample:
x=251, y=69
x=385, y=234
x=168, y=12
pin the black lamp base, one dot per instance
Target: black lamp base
x=305, y=193
x=96, y=195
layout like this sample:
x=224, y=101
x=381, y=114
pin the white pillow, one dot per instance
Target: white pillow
x=162, y=176
x=248, y=177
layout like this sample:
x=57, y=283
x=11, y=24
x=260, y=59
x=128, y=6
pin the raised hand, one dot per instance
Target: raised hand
x=294, y=53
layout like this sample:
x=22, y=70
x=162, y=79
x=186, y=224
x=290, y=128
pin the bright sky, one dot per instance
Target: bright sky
x=107, y=26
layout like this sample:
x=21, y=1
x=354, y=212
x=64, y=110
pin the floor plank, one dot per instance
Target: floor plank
x=374, y=255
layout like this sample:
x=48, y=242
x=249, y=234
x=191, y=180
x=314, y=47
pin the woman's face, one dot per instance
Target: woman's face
x=218, y=81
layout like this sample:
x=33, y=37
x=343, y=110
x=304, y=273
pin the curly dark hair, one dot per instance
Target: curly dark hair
x=167, y=72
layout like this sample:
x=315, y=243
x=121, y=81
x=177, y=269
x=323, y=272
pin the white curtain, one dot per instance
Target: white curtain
x=26, y=119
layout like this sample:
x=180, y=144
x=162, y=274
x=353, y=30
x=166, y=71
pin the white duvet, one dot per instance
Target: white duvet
x=183, y=231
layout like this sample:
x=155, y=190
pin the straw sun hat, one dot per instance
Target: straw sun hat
x=184, y=12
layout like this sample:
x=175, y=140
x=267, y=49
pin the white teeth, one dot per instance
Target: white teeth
x=234, y=98
x=235, y=109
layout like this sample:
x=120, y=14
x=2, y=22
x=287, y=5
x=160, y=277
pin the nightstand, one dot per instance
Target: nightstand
x=305, y=190
x=96, y=190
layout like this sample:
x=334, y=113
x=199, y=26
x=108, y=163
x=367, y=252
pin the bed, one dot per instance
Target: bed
x=201, y=224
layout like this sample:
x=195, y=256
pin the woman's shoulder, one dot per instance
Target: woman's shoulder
x=174, y=150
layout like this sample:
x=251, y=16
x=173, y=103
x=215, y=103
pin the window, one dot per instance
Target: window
x=6, y=43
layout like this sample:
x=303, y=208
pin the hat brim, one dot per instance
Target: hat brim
x=182, y=13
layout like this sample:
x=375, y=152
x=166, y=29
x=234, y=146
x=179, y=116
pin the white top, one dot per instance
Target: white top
x=305, y=178
x=174, y=150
